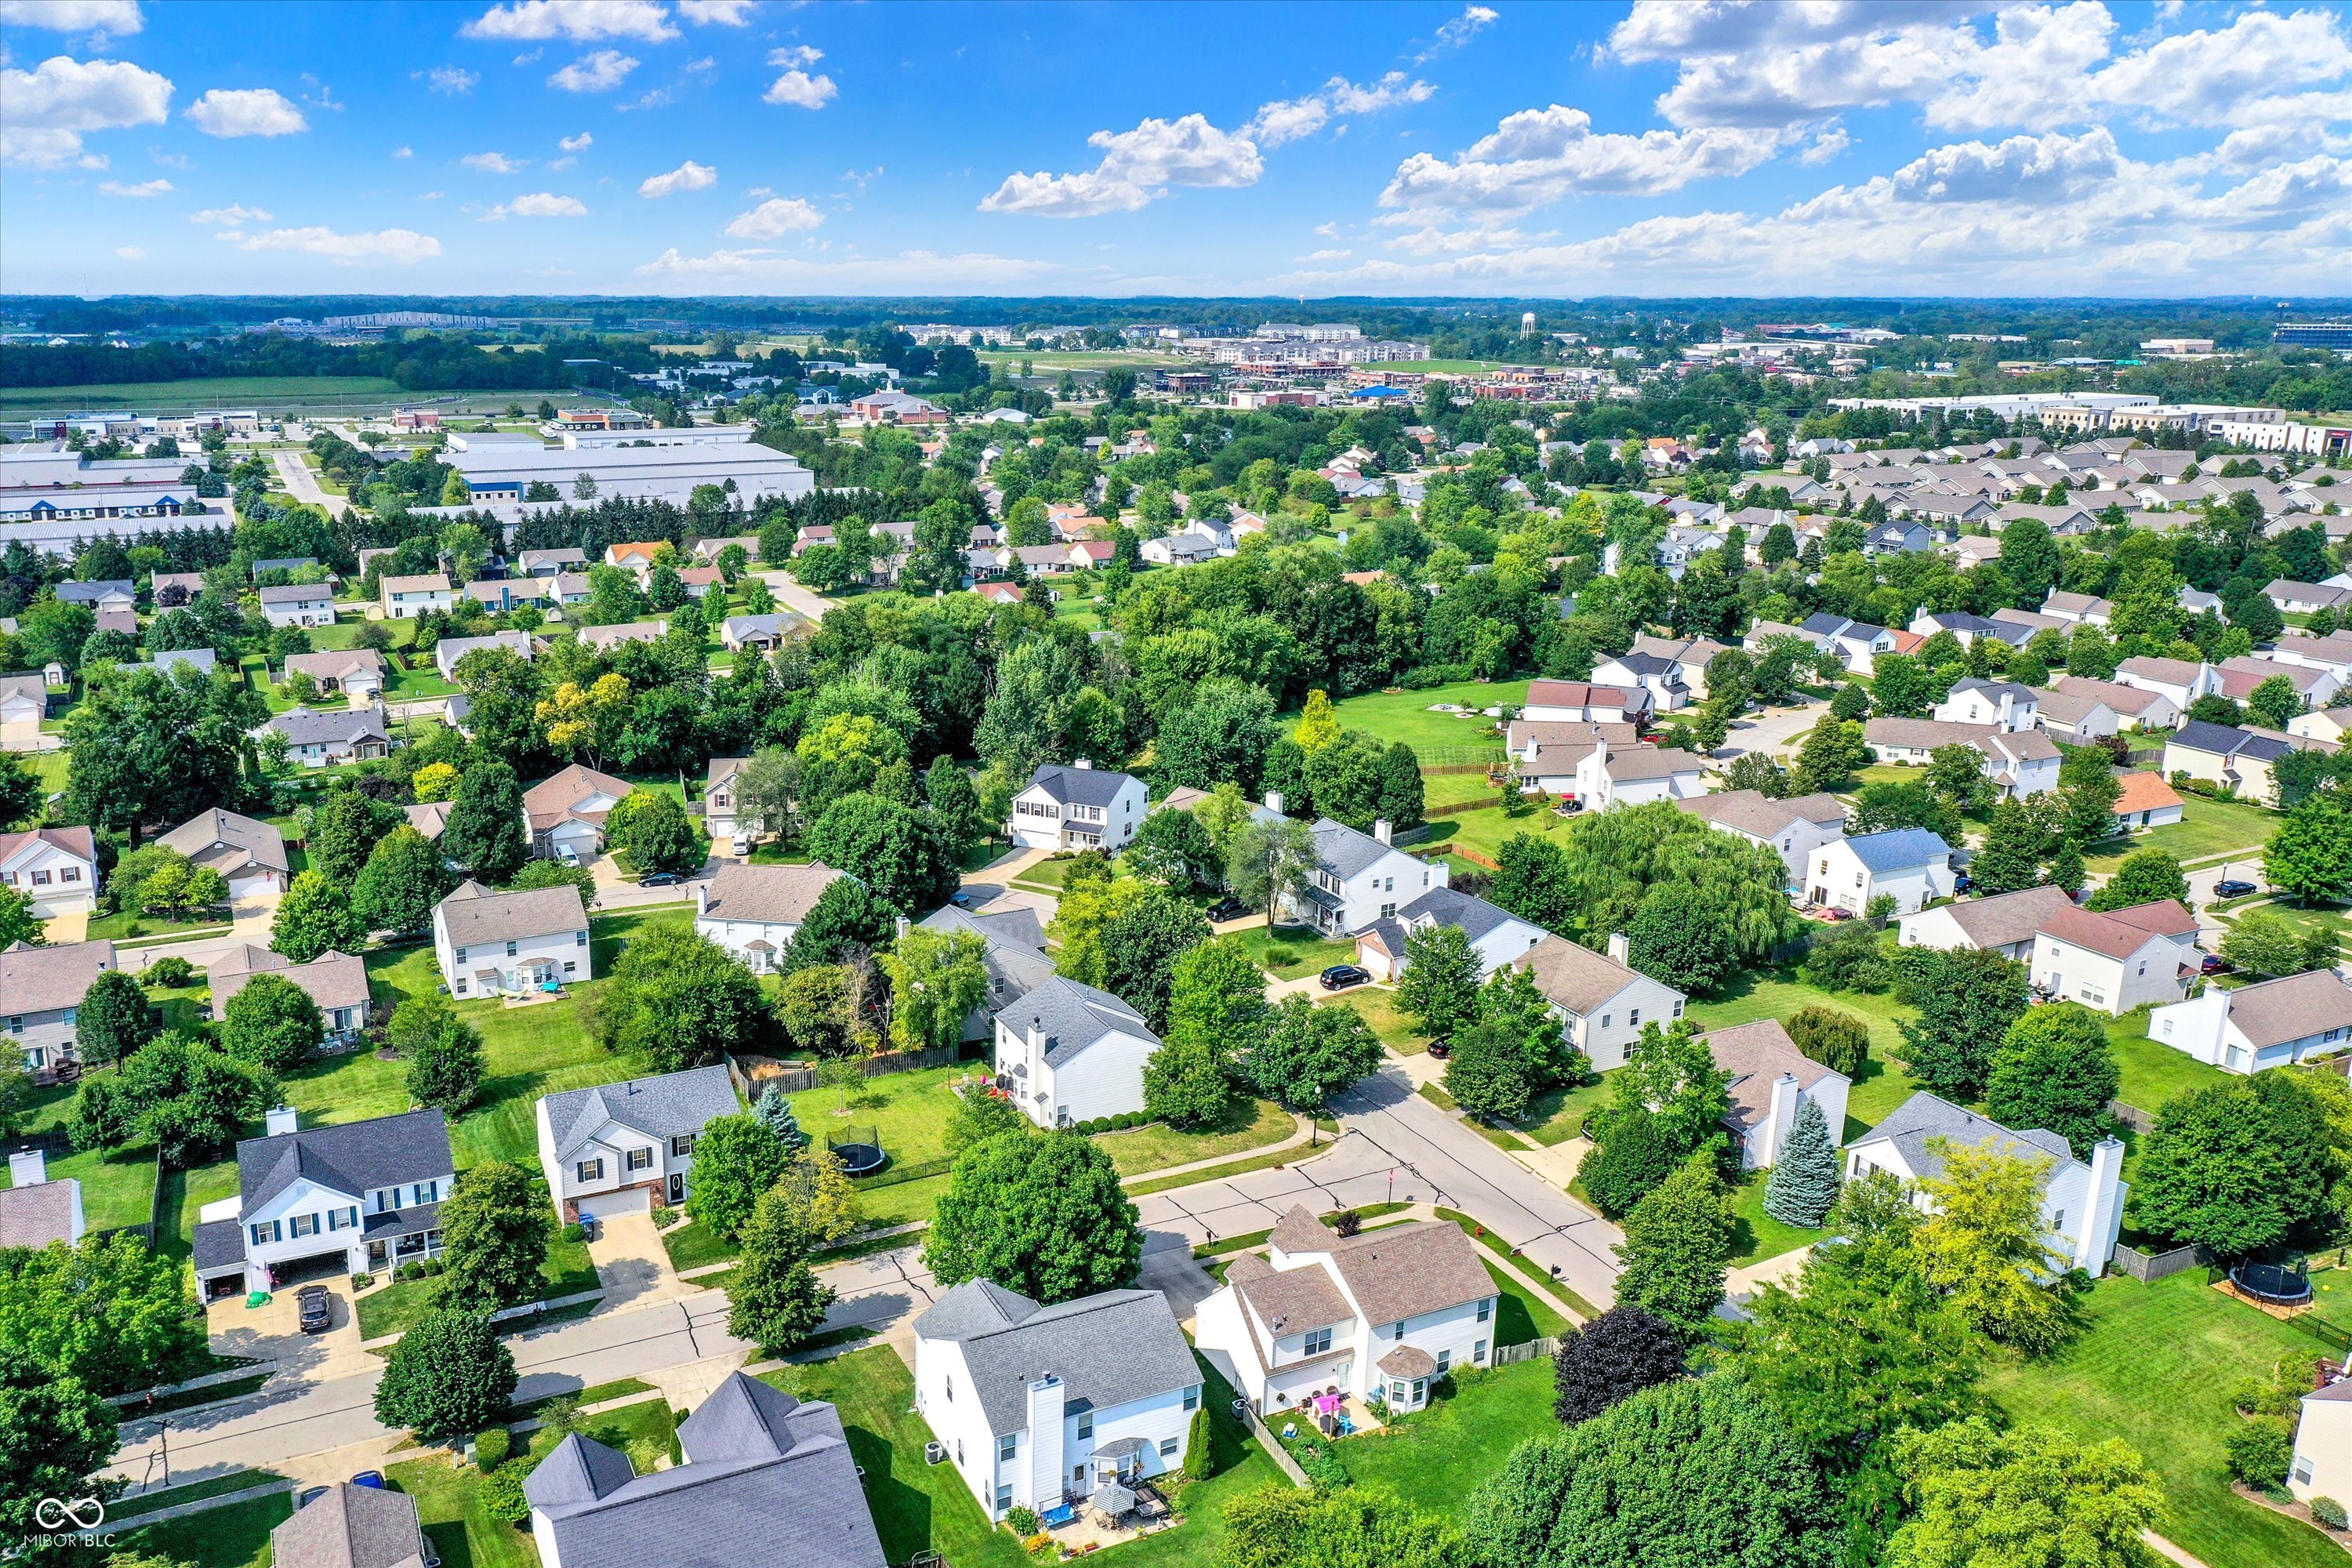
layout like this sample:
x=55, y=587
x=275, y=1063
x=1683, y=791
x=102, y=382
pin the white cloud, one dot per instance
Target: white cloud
x=796, y=87
x=235, y=216
x=247, y=111
x=494, y=163
x=717, y=13
x=397, y=245
x=537, y=204
x=1326, y=255
x=907, y=269
x=1827, y=145
x=49, y=108
x=595, y=72
x=120, y=18
x=688, y=176
x=2227, y=78
x=580, y=143
x=773, y=219
x=1539, y=155
x=171, y=160
x=130, y=253
x=1288, y=120
x=452, y=82
x=143, y=188
x=404, y=151
x=1136, y=167
x=582, y=21
x=1453, y=34
x=802, y=54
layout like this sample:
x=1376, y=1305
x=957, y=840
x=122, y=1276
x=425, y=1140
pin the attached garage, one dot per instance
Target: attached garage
x=610, y=1205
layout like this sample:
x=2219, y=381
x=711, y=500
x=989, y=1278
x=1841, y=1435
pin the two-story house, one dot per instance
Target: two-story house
x=1547, y=754
x=1016, y=960
x=623, y=1148
x=1858, y=643
x=2003, y=704
x=1600, y=1001
x=1614, y=775
x=249, y=854
x=406, y=598
x=1580, y=701
x=1911, y=865
x=297, y=604
x=1358, y=877
x=2241, y=758
x=1496, y=934
x=1380, y=1315
x=488, y=943
x=754, y=911
x=1769, y=1080
x=2117, y=960
x=2268, y=1024
x=1038, y=1405
x=56, y=868
x=2004, y=923
x=41, y=990
x=1077, y=806
x=356, y=1198
x=2177, y=680
x=318, y=737
x=336, y=982
x=1791, y=829
x=1070, y=1053
x=718, y=798
x=566, y=811
x=2135, y=707
x=24, y=703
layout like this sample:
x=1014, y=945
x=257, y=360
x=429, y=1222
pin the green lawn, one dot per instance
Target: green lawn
x=2206, y=829
x=396, y=1308
x=236, y=390
x=1881, y=1084
x=235, y=1536
x=127, y=925
x=1520, y=1316
x=1288, y=953
x=1254, y=1124
x=1557, y=1114
x=2153, y=1072
x=449, y=1495
x=2155, y=1366
x=1438, y=737
x=1454, y=789
x=118, y=1186
x=1435, y=1458
x=1758, y=1236
x=1378, y=1008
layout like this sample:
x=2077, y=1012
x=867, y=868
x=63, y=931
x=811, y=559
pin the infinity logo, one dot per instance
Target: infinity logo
x=55, y=1514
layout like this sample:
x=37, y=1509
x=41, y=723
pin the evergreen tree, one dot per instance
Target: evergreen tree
x=1805, y=1179
x=774, y=1299
x=113, y=1020
x=775, y=1112
x=2066, y=868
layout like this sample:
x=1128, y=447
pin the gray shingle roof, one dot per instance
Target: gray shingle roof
x=1754, y=813
x=658, y=1107
x=1078, y=786
x=1899, y=849
x=2291, y=1009
x=1108, y=1348
x=354, y=1157
x=475, y=914
x=1925, y=1116
x=297, y=593
x=1445, y=906
x=1342, y=850
x=350, y=1527
x=1396, y=1271
x=331, y=726
x=39, y=1214
x=44, y=979
x=2007, y=918
x=1073, y=1016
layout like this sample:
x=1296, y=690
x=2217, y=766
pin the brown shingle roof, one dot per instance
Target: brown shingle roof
x=1754, y=1056
x=1406, y=1271
x=2115, y=937
x=773, y=895
x=49, y=979
x=2280, y=1010
x=474, y=914
x=1574, y=976
x=2007, y=918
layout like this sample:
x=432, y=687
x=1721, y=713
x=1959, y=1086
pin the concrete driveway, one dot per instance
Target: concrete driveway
x=1770, y=730
x=274, y=1333
x=631, y=1263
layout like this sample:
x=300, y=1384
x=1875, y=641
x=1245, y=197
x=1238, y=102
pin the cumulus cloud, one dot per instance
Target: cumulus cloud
x=120, y=18
x=404, y=151
x=247, y=111
x=1453, y=34
x=582, y=21
x=717, y=13
x=796, y=85
x=403, y=246
x=596, y=72
x=452, y=82
x=494, y=163
x=539, y=203
x=50, y=106
x=773, y=219
x=1539, y=155
x=143, y=188
x=235, y=216
x=580, y=143
x=1138, y=166
x=1827, y=145
x=688, y=176
x=1288, y=120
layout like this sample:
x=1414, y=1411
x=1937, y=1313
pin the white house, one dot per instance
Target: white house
x=1382, y=1314
x=56, y=868
x=488, y=943
x=2082, y=1204
x=1068, y=1053
x=2118, y=959
x=2003, y=704
x=356, y=672
x=1545, y=754
x=565, y=813
x=2144, y=800
x=623, y=1148
x=2177, y=681
x=2242, y=759
x=2004, y=923
x=1910, y=864
x=2083, y=609
x=24, y=703
x=1769, y=1082
x=2322, y=1466
x=1496, y=934
x=36, y=1211
x=1599, y=1000
x=1858, y=643
x=297, y=604
x=1359, y=877
x=250, y=854
x=2074, y=719
x=1039, y=1406
x=356, y=1198
x=1661, y=677
x=450, y=651
x=41, y=990
x=2263, y=1025
x=1791, y=829
x=754, y=911
x=336, y=982
x=1077, y=806
x=2135, y=707
x=1637, y=775
x=406, y=598
x=2019, y=762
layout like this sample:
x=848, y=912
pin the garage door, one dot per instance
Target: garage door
x=604, y=1205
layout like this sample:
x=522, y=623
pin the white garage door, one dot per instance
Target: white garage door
x=604, y=1205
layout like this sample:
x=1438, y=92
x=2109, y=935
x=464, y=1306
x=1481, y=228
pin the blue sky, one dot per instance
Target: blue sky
x=754, y=146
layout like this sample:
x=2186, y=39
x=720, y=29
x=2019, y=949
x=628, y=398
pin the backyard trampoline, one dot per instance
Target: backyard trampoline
x=2272, y=1283
x=859, y=1149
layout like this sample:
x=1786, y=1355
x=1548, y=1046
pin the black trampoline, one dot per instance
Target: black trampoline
x=2272, y=1283
x=859, y=1149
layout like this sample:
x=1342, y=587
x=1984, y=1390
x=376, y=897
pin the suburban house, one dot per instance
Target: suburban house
x=754, y=911
x=2263, y=1025
x=2019, y=762
x=41, y=990
x=2144, y=800
x=638, y=556
x=1911, y=865
x=102, y=594
x=297, y=604
x=1382, y=1314
x=24, y=703
x=2003, y=704
x=1610, y=775
x=349, y=1526
x=623, y=1148
x=1068, y=1053
x=1077, y=806
x=719, y=802
x=2075, y=718
x=355, y=1198
x=250, y=854
x=1791, y=829
x=762, y=634
x=56, y=868
x=36, y=1211
x=2239, y=759
x=1546, y=753
x=318, y=737
x=1857, y=642
x=2177, y=681
x=1771, y=1082
x=336, y=982
x=1359, y=877
x=1016, y=960
x=2242, y=678
x=488, y=943
x=763, y=1479
x=2292, y=598
x=2118, y=959
x=1039, y=1406
x=604, y=639
x=552, y=562
x=566, y=811
x=1599, y=1000
x=406, y=598
x=2135, y=707
x=356, y=672
x=505, y=593
x=2082, y=1204
x=2082, y=609
x=2326, y=724
x=449, y=652
x=1662, y=677
x=1576, y=702
x=2004, y=923
x=1496, y=934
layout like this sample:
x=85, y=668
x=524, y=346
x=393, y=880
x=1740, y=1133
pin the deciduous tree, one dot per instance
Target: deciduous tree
x=736, y=1159
x=2054, y=1069
x=449, y=1375
x=314, y=917
x=1043, y=1215
x=494, y=1229
x=1619, y=1353
x=271, y=1023
x=1677, y=1242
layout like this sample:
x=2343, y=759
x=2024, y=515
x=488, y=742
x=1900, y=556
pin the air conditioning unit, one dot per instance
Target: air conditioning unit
x=934, y=1453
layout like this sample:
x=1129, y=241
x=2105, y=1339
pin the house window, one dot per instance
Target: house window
x=1605, y=1020
x=1478, y=1352
x=1485, y=1309
x=580, y=939
x=40, y=879
x=1388, y=911
x=590, y=1169
x=69, y=874
x=1193, y=1397
x=641, y=1158
x=1633, y=1020
x=1317, y=1341
x=1087, y=1424
x=1004, y=1498
x=344, y=1218
x=1008, y=1445
x=570, y=968
x=1444, y=1360
x=510, y=949
x=1396, y=1329
x=264, y=1232
x=951, y=1388
x=2303, y=1469
x=681, y=1144
x=1166, y=1447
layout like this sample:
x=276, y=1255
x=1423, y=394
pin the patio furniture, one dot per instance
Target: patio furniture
x=1111, y=1502
x=1056, y=1517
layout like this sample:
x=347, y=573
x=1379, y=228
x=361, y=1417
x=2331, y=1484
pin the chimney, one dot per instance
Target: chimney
x=28, y=1168
x=1784, y=1118
x=1383, y=831
x=702, y=897
x=280, y=1121
x=1619, y=948
x=2096, y=1244
x=1037, y=1039
x=1274, y=800
x=1084, y=763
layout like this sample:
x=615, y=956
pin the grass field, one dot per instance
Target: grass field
x=396, y=1308
x=1440, y=790
x=1254, y=1124
x=2207, y=828
x=1757, y=1234
x=2153, y=1072
x=2155, y=1366
x=1437, y=1457
x=1881, y=1084
x=1378, y=1008
x=236, y=1536
x=1558, y=1115
x=273, y=392
x=1288, y=953
x=1405, y=716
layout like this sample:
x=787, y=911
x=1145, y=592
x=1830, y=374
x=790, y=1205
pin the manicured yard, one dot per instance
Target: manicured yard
x=1377, y=1006
x=448, y=1494
x=235, y=1536
x=1758, y=1235
x=1557, y=1114
x=1483, y=832
x=396, y=1308
x=118, y=1186
x=1438, y=737
x=2155, y=1366
x=1520, y=1316
x=1881, y=1084
x=127, y=925
x=1437, y=1457
x=2206, y=829
x=1289, y=952
x=2153, y=1072
x=1254, y=1124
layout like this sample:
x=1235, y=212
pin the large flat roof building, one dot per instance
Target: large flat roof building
x=504, y=471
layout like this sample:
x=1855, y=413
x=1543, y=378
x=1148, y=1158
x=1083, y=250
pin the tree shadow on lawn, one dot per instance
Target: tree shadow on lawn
x=902, y=1511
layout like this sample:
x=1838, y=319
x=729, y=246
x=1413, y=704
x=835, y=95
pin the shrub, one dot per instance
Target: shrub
x=168, y=972
x=2328, y=1512
x=1021, y=1521
x=1199, y=1454
x=1347, y=1222
x=575, y=1234
x=2260, y=1449
x=1839, y=1041
x=491, y=1445
x=502, y=1497
x=362, y=1282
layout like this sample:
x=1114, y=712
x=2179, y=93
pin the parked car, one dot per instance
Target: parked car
x=963, y=899
x=1441, y=1049
x=308, y=1496
x=1229, y=909
x=1339, y=976
x=1964, y=883
x=662, y=880
x=318, y=1309
x=373, y=1479
x=2232, y=888
x=2213, y=963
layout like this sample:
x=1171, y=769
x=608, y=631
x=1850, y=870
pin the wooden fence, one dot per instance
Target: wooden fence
x=794, y=1077
x=2131, y=1116
x=2147, y=1268
x=1505, y=1355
